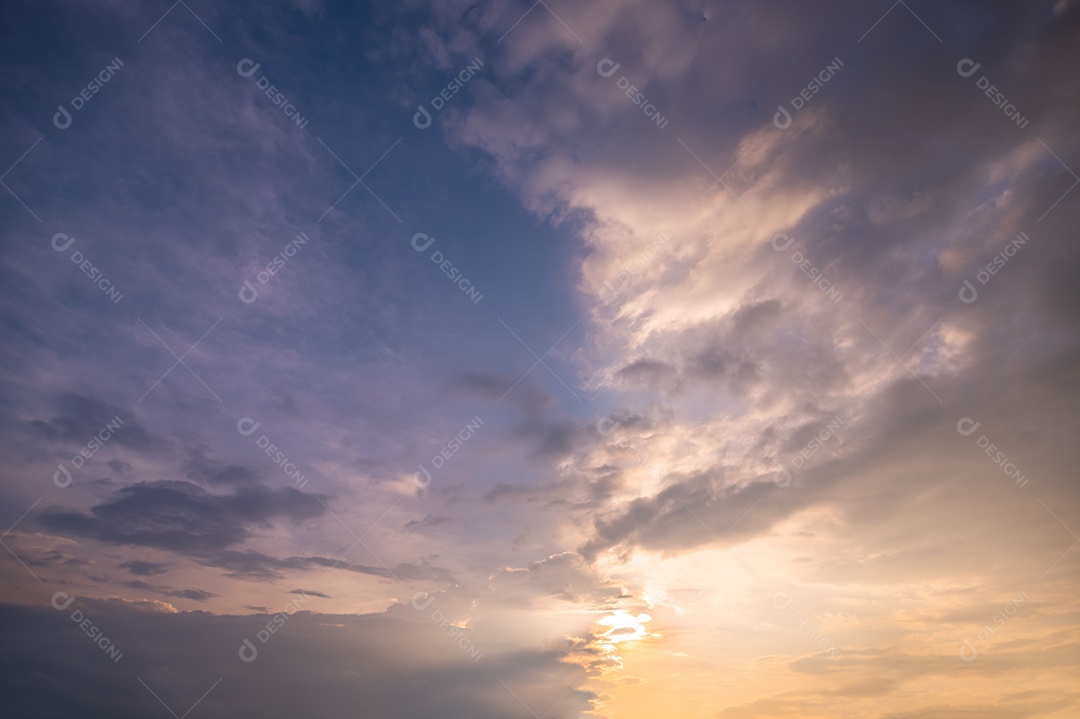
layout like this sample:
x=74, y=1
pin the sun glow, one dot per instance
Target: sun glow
x=624, y=627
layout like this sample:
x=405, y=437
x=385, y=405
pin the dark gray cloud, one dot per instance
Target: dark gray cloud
x=184, y=518
x=691, y=512
x=399, y=666
x=257, y=566
x=200, y=468
x=195, y=595
x=141, y=568
x=651, y=374
x=181, y=516
x=79, y=418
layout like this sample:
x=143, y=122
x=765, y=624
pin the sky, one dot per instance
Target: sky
x=540, y=359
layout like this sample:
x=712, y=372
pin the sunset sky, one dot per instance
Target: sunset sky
x=614, y=359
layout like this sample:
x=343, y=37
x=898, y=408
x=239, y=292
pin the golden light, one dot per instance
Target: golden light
x=625, y=627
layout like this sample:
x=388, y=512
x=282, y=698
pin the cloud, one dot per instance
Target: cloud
x=195, y=595
x=141, y=568
x=404, y=667
x=80, y=418
x=256, y=566
x=710, y=364
x=200, y=468
x=182, y=517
